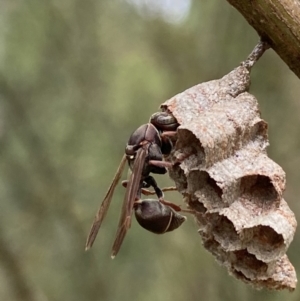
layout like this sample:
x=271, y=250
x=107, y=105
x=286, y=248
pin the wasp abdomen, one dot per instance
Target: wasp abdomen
x=156, y=217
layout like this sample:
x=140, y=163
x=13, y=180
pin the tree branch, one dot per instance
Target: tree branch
x=277, y=22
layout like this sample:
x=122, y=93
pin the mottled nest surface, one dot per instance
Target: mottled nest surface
x=224, y=173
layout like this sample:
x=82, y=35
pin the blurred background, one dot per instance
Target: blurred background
x=76, y=78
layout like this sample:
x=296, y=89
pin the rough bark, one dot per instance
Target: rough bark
x=278, y=22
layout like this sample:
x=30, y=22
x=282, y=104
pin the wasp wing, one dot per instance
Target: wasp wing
x=101, y=213
x=133, y=186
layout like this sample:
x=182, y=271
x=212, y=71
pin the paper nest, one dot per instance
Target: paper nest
x=226, y=176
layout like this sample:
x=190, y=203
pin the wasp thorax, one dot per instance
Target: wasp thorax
x=156, y=217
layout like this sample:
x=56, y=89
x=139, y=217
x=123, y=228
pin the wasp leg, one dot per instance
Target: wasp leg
x=177, y=208
x=190, y=211
x=145, y=191
x=150, y=192
x=150, y=181
x=170, y=204
x=171, y=188
x=181, y=157
x=161, y=163
x=167, y=134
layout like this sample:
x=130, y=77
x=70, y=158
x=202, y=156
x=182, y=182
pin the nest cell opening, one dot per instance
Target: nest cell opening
x=261, y=129
x=196, y=205
x=202, y=181
x=178, y=176
x=214, y=247
x=267, y=238
x=224, y=232
x=259, y=187
x=188, y=146
x=244, y=261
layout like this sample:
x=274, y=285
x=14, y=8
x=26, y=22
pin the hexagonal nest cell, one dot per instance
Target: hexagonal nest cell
x=236, y=191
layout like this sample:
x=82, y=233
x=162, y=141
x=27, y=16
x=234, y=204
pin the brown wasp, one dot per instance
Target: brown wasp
x=144, y=154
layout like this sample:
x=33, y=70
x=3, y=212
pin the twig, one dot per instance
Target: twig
x=255, y=55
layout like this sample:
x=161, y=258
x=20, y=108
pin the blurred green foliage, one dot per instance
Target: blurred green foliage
x=76, y=78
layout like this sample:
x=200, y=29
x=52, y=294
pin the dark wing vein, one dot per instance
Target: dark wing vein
x=101, y=213
x=129, y=199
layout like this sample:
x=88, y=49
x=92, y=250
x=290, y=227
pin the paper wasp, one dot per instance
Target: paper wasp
x=144, y=154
